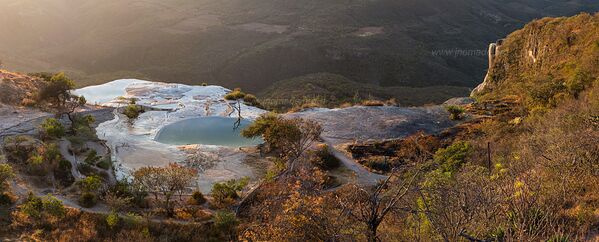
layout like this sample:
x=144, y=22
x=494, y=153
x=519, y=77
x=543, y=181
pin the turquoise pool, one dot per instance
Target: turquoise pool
x=207, y=131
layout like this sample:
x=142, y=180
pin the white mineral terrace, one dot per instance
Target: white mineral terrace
x=133, y=145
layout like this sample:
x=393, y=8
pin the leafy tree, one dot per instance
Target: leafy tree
x=52, y=128
x=39, y=209
x=453, y=205
x=164, y=182
x=132, y=112
x=291, y=136
x=69, y=109
x=57, y=89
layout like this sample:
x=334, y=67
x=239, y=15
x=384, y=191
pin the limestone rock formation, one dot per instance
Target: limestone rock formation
x=493, y=50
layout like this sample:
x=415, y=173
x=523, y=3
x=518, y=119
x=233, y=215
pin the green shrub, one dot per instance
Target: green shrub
x=5, y=199
x=87, y=200
x=19, y=148
x=324, y=159
x=224, y=192
x=225, y=222
x=6, y=174
x=112, y=219
x=63, y=173
x=52, y=128
x=90, y=184
x=379, y=165
x=83, y=123
x=455, y=112
x=453, y=157
x=42, y=207
x=104, y=163
x=132, y=111
x=578, y=83
x=250, y=100
x=235, y=95
x=92, y=157
x=198, y=197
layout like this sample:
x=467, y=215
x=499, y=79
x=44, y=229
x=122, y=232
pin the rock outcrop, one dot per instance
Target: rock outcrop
x=18, y=89
x=493, y=50
x=547, y=57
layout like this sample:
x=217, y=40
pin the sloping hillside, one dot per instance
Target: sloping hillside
x=253, y=43
x=18, y=89
x=546, y=62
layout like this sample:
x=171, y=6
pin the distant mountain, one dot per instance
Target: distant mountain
x=255, y=43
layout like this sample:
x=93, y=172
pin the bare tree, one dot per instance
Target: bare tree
x=165, y=182
x=237, y=97
x=371, y=206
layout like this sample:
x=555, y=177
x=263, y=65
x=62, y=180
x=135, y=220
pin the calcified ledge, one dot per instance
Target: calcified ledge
x=133, y=144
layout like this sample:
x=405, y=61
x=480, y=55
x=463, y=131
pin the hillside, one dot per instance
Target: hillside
x=252, y=44
x=331, y=90
x=18, y=89
x=546, y=62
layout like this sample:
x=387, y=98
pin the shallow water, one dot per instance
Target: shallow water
x=207, y=131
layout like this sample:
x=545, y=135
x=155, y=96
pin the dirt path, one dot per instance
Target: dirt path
x=364, y=177
x=63, y=146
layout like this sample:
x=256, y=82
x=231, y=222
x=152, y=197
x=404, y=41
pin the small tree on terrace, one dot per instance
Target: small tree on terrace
x=57, y=90
x=291, y=136
x=165, y=182
x=69, y=109
x=237, y=96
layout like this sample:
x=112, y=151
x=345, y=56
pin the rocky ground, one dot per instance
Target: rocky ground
x=361, y=123
x=25, y=121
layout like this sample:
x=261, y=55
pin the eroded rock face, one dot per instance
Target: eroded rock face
x=493, y=51
x=559, y=52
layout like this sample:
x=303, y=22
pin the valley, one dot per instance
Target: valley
x=255, y=45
